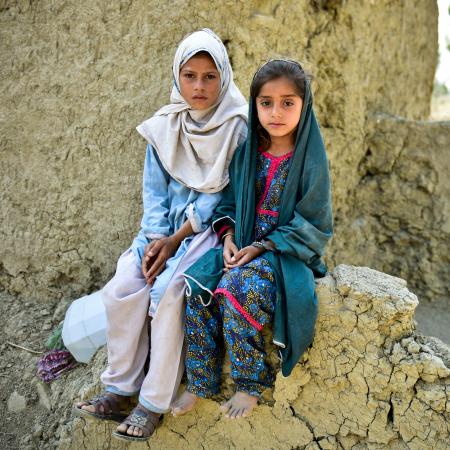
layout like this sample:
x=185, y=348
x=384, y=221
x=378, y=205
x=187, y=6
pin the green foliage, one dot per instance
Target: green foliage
x=439, y=89
x=54, y=341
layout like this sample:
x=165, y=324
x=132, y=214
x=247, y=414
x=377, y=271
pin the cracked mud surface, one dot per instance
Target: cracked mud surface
x=369, y=381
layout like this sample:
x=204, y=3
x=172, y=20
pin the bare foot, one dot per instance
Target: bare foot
x=184, y=403
x=240, y=405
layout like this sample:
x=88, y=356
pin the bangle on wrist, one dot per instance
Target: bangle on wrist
x=225, y=235
x=264, y=245
x=269, y=246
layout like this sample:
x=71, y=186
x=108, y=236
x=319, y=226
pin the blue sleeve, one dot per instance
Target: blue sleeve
x=155, y=197
x=154, y=223
x=201, y=211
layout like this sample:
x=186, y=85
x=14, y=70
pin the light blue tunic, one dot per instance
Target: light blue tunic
x=167, y=205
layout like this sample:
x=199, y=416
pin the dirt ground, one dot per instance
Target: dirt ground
x=25, y=417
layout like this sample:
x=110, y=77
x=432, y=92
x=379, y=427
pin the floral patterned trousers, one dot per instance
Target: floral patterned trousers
x=242, y=305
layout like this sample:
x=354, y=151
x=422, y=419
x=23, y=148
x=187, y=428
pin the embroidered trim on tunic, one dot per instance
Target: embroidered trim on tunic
x=275, y=162
x=239, y=308
x=280, y=158
x=267, y=212
x=213, y=225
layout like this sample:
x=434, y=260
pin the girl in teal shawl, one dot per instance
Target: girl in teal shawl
x=274, y=221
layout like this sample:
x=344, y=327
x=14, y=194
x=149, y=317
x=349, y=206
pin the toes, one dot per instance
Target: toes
x=122, y=428
x=134, y=431
x=89, y=408
x=130, y=430
x=230, y=412
x=237, y=413
x=245, y=412
x=234, y=413
x=225, y=407
x=176, y=411
x=184, y=404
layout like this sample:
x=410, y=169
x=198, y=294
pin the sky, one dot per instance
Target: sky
x=443, y=70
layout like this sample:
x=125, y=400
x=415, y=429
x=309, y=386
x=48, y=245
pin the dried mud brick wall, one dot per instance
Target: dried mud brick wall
x=403, y=195
x=77, y=77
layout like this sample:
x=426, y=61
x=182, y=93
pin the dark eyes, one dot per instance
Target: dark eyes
x=266, y=103
x=192, y=76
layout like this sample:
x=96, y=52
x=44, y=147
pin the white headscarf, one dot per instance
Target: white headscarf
x=196, y=146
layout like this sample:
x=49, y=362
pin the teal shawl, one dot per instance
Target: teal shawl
x=304, y=227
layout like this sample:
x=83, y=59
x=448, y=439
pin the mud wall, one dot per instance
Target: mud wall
x=403, y=223
x=77, y=77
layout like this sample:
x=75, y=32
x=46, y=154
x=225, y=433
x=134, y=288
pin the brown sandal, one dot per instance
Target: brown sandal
x=107, y=407
x=145, y=420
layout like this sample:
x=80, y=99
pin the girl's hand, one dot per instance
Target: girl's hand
x=147, y=260
x=158, y=253
x=229, y=250
x=244, y=256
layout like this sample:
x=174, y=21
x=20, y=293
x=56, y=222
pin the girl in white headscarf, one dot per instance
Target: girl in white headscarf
x=190, y=144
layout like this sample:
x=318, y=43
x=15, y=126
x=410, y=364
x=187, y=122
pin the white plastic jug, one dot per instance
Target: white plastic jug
x=84, y=328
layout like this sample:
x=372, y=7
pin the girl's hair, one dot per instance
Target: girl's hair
x=277, y=68
x=203, y=53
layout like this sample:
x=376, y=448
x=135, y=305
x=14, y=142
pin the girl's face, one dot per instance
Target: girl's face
x=200, y=82
x=279, y=108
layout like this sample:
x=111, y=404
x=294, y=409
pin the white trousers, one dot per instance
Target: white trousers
x=126, y=298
